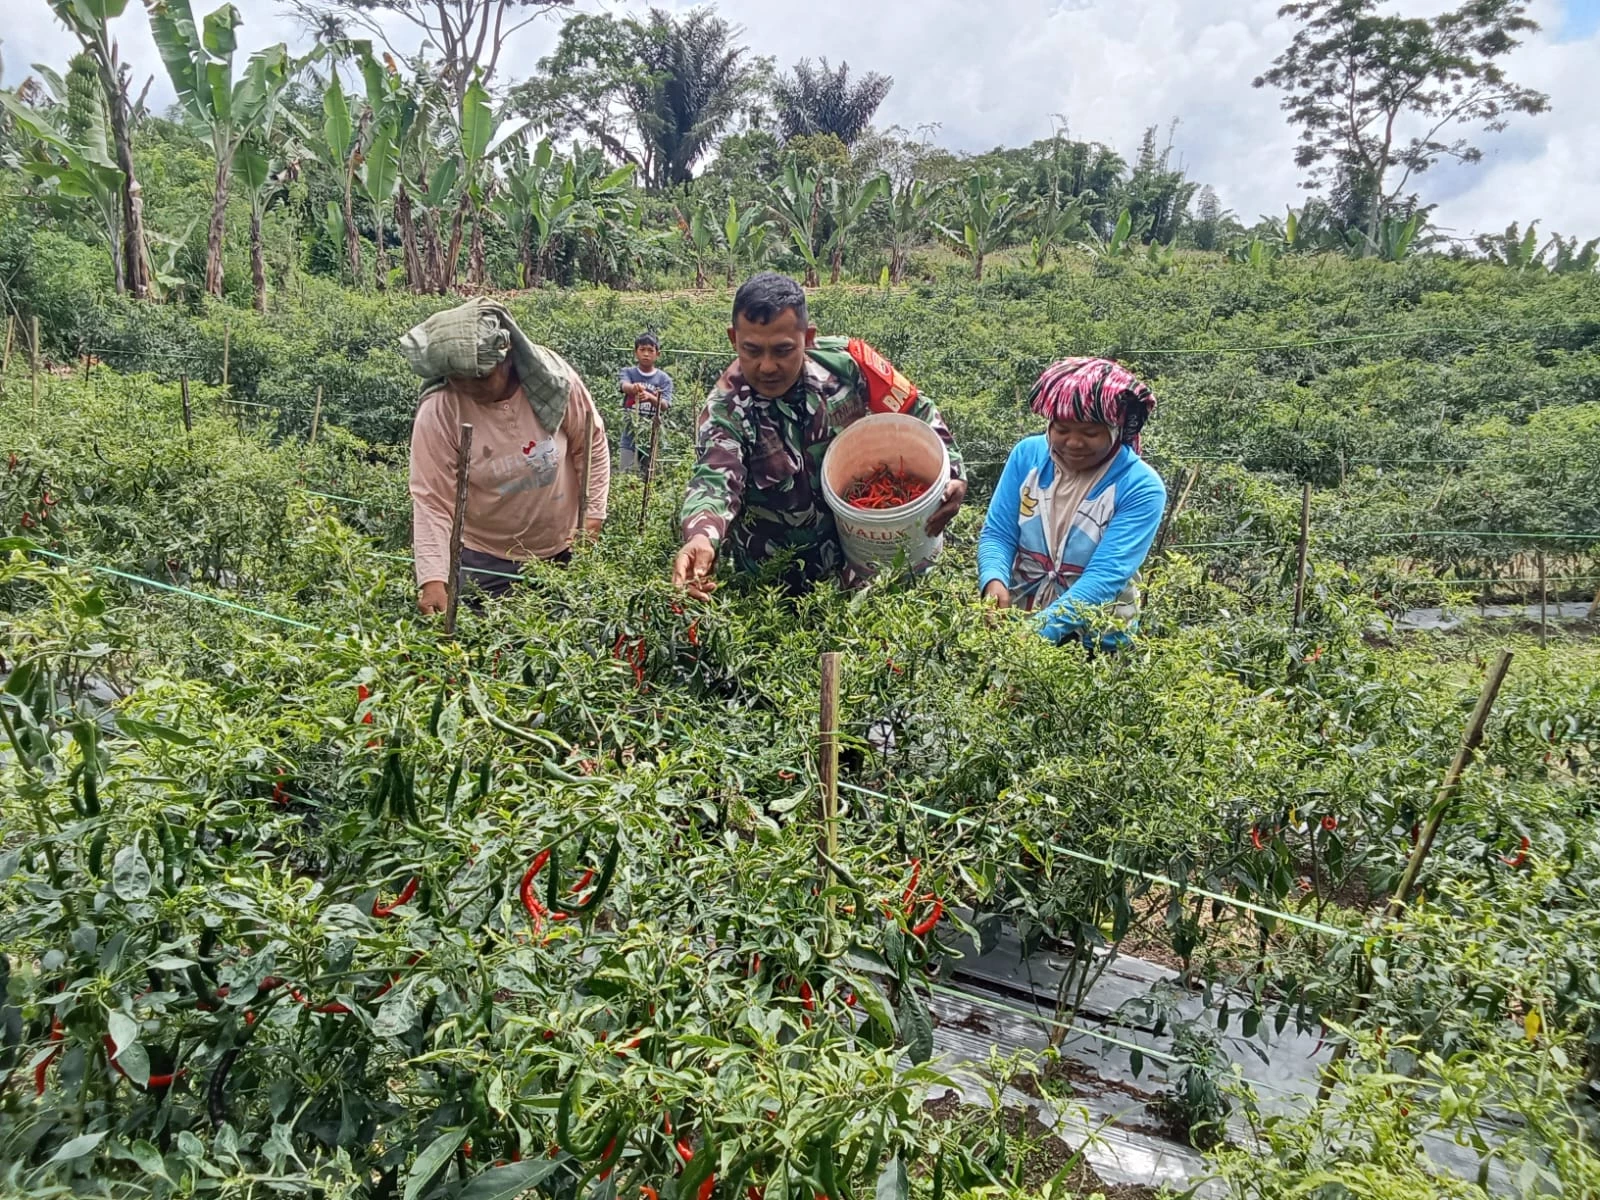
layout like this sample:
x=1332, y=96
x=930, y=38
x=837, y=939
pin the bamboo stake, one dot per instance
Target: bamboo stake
x=227, y=347
x=1300, y=564
x=188, y=413
x=316, y=417
x=650, y=467
x=457, y=524
x=1171, y=521
x=35, y=365
x=1544, y=593
x=1471, y=739
x=828, y=767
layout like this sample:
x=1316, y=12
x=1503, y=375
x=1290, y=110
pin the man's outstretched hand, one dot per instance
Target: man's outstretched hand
x=433, y=598
x=954, y=493
x=696, y=563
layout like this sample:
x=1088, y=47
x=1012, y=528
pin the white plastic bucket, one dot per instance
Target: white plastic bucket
x=873, y=538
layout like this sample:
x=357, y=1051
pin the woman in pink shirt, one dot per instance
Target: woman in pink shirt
x=533, y=422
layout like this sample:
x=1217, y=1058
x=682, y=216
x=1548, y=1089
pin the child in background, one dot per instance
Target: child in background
x=645, y=389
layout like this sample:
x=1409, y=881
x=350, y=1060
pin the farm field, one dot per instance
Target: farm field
x=300, y=896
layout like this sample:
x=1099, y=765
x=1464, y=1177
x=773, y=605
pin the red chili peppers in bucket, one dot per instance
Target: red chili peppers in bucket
x=884, y=487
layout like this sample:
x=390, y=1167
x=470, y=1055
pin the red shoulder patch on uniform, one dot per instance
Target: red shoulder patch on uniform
x=888, y=391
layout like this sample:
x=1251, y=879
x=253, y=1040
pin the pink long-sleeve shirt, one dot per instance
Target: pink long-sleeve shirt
x=522, y=492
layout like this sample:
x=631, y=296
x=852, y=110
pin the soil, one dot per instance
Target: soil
x=1049, y=1155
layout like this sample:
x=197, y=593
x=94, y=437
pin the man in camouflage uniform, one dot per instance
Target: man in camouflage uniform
x=757, y=481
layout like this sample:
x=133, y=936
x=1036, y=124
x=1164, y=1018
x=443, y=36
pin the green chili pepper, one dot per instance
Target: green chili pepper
x=433, y=716
x=938, y=1176
x=91, y=792
x=455, y=782
x=72, y=791
x=97, y=854
x=379, y=797
x=582, y=1151
x=482, y=788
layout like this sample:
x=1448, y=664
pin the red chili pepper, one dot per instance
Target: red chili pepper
x=1521, y=856
x=155, y=1081
x=605, y=1154
x=27, y=520
x=884, y=487
x=925, y=927
x=1329, y=824
x=406, y=893
x=536, y=910
x=1314, y=656
x=646, y=1190
x=47, y=500
x=279, y=796
x=910, y=893
x=807, y=997
x=694, y=633
x=56, y=1035
x=1255, y=838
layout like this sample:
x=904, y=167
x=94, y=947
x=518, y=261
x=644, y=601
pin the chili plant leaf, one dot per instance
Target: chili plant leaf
x=78, y=1147
x=916, y=1025
x=124, y=1031
x=130, y=874
x=431, y=1161
x=502, y=1183
x=893, y=1183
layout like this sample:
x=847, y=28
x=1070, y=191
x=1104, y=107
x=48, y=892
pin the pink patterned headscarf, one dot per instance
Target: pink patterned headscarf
x=1096, y=390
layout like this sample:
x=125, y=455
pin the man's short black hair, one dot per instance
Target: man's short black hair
x=647, y=339
x=763, y=297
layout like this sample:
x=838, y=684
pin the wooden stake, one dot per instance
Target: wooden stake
x=650, y=466
x=1594, y=607
x=828, y=767
x=227, y=347
x=1300, y=565
x=35, y=362
x=1544, y=593
x=1471, y=739
x=316, y=417
x=457, y=524
x=188, y=413
x=1171, y=521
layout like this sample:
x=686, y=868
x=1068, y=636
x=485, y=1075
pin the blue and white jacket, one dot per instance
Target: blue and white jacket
x=1105, y=545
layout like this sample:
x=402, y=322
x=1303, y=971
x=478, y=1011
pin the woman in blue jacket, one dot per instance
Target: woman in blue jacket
x=1077, y=509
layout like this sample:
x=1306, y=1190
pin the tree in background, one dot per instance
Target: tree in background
x=1209, y=219
x=989, y=217
x=199, y=61
x=821, y=100
x=468, y=35
x=90, y=21
x=1157, y=194
x=1358, y=81
x=657, y=93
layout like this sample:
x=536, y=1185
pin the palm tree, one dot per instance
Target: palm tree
x=199, y=60
x=821, y=100
x=694, y=81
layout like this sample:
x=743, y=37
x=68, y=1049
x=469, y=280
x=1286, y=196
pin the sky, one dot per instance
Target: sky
x=1001, y=72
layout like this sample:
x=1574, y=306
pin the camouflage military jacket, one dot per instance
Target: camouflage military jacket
x=757, y=482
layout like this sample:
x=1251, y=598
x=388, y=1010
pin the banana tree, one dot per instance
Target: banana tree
x=989, y=216
x=700, y=235
x=90, y=22
x=536, y=204
x=797, y=201
x=78, y=170
x=910, y=218
x=480, y=138
x=744, y=237
x=1118, y=245
x=1056, y=220
x=847, y=204
x=199, y=61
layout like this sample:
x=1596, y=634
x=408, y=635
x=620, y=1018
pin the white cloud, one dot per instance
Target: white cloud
x=995, y=73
